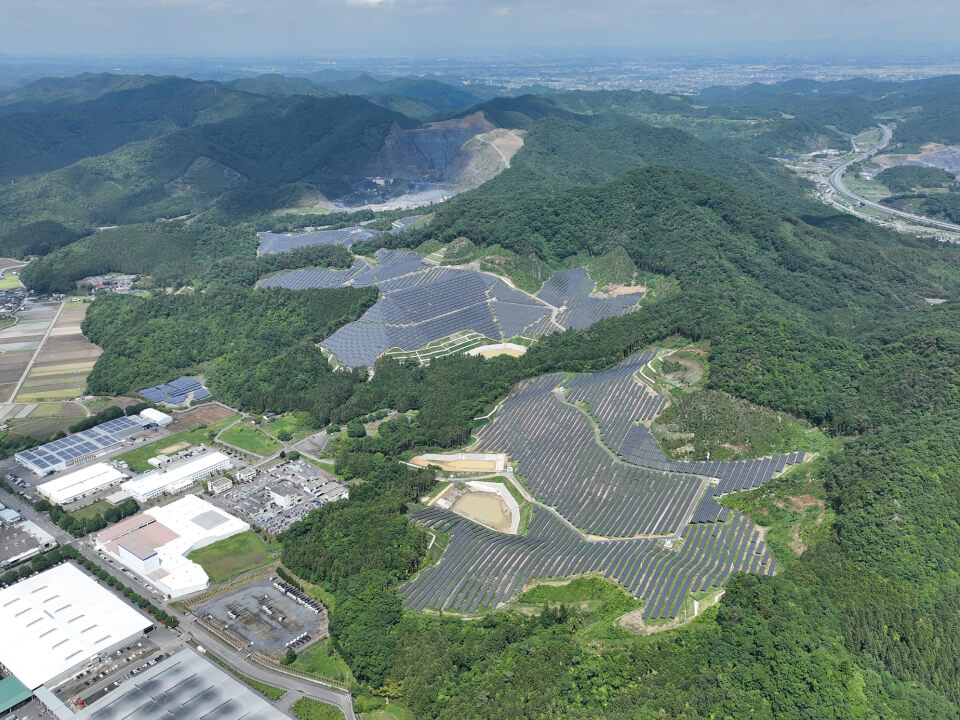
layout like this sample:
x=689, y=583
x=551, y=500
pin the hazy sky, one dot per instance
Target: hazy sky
x=365, y=28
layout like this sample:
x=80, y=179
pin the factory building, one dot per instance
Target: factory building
x=173, y=478
x=82, y=447
x=78, y=484
x=58, y=622
x=155, y=543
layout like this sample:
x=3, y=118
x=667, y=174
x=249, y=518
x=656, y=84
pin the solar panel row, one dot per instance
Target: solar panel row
x=271, y=243
x=174, y=392
x=66, y=451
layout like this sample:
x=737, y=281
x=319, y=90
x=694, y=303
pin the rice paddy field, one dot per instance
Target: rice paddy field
x=19, y=342
x=64, y=360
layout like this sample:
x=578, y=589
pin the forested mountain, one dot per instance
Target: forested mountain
x=321, y=141
x=56, y=136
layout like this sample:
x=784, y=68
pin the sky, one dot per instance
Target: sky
x=370, y=28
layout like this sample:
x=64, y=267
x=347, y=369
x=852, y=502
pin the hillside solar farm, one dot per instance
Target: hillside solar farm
x=423, y=304
x=619, y=508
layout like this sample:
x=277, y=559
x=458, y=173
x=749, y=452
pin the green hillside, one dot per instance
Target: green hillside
x=322, y=141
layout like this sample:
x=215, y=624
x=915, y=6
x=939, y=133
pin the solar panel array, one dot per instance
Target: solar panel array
x=552, y=445
x=72, y=449
x=691, y=542
x=592, y=310
x=313, y=278
x=271, y=243
x=569, y=288
x=405, y=222
x=174, y=392
x=422, y=303
x=481, y=568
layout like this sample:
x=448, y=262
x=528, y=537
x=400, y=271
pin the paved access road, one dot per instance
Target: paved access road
x=836, y=181
x=295, y=685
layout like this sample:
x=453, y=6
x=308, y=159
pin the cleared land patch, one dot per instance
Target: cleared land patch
x=462, y=462
x=203, y=415
x=486, y=508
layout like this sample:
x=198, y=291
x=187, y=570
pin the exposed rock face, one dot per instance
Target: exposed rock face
x=424, y=153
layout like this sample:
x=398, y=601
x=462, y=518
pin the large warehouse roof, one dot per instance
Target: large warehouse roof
x=54, y=621
x=67, y=488
x=183, y=687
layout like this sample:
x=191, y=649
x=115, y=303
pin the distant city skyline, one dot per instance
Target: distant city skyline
x=458, y=28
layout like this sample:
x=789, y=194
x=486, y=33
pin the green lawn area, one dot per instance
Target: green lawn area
x=290, y=423
x=391, y=711
x=137, y=459
x=321, y=659
x=309, y=709
x=92, y=509
x=233, y=556
x=9, y=281
x=250, y=439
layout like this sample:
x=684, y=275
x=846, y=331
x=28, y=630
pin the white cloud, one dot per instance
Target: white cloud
x=502, y=11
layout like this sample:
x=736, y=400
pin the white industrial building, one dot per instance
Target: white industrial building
x=56, y=622
x=161, y=419
x=78, y=484
x=155, y=543
x=176, y=477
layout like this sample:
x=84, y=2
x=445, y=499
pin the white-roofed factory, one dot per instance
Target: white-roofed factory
x=81, y=483
x=174, y=478
x=56, y=622
x=155, y=543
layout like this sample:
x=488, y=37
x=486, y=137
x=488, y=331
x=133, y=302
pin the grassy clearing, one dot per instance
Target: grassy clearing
x=9, y=281
x=390, y=711
x=137, y=459
x=290, y=423
x=309, y=709
x=250, y=439
x=233, y=556
x=598, y=602
x=92, y=509
x=47, y=410
x=792, y=508
x=321, y=659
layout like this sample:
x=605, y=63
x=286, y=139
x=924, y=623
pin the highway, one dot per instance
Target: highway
x=836, y=181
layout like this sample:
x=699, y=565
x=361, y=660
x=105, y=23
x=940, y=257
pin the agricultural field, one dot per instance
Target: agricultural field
x=234, y=556
x=65, y=359
x=137, y=459
x=19, y=342
x=651, y=524
x=9, y=281
x=40, y=420
x=250, y=439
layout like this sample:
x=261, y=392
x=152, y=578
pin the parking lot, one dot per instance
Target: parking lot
x=262, y=616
